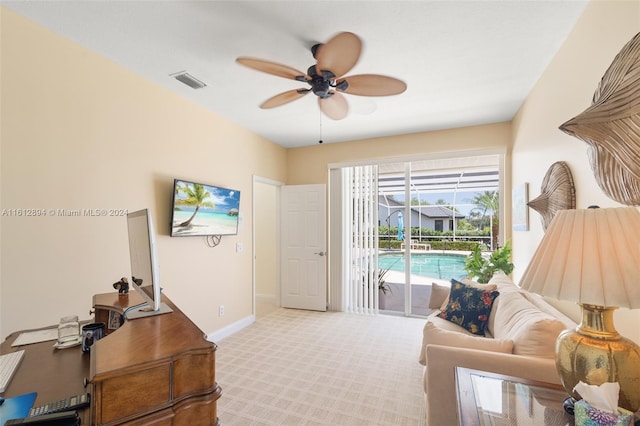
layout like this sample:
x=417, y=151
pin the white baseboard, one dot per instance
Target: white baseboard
x=227, y=331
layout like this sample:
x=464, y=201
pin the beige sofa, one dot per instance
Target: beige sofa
x=520, y=340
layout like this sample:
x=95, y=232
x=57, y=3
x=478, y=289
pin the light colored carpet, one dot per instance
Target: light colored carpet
x=296, y=367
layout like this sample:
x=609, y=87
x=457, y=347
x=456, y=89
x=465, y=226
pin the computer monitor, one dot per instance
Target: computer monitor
x=145, y=277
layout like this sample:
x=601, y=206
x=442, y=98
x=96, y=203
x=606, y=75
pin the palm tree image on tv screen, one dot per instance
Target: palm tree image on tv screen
x=200, y=209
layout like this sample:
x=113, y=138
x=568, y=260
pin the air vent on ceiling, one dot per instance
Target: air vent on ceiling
x=189, y=80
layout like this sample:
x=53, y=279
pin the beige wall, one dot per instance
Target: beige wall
x=310, y=164
x=565, y=90
x=81, y=132
x=266, y=239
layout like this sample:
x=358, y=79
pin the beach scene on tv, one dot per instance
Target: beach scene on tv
x=204, y=210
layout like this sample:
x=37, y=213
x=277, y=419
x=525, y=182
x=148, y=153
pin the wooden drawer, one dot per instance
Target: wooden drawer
x=161, y=418
x=193, y=373
x=138, y=392
x=197, y=411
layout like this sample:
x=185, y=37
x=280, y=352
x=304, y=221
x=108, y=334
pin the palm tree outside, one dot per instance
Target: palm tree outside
x=196, y=197
x=489, y=201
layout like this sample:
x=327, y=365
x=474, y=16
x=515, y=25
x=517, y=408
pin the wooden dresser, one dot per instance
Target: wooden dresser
x=157, y=370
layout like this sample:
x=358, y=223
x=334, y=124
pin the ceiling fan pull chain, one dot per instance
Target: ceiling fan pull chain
x=320, y=140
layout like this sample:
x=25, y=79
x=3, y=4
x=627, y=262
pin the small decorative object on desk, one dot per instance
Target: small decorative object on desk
x=68, y=332
x=90, y=333
x=122, y=286
x=599, y=406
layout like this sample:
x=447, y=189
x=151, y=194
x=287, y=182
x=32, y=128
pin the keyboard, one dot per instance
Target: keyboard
x=8, y=365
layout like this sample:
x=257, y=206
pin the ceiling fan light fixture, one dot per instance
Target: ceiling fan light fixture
x=186, y=78
x=321, y=88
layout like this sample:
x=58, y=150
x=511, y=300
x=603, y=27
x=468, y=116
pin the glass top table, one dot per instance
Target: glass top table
x=490, y=399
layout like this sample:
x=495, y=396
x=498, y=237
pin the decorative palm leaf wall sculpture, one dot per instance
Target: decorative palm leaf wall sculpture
x=611, y=127
x=557, y=193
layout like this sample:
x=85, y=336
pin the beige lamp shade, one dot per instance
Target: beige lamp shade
x=589, y=256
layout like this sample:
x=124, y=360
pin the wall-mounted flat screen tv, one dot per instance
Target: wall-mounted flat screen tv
x=202, y=210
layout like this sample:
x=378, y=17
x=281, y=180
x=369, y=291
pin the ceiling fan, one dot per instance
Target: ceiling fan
x=333, y=60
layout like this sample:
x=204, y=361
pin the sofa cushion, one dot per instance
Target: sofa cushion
x=440, y=292
x=439, y=295
x=441, y=332
x=533, y=331
x=504, y=284
x=469, y=307
x=544, y=306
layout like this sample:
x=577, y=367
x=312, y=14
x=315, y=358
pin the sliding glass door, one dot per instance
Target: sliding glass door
x=406, y=225
x=394, y=217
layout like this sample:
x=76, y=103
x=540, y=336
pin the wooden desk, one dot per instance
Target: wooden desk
x=157, y=370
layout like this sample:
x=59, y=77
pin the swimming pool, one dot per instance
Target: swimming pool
x=442, y=266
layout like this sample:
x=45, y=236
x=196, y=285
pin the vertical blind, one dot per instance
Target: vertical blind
x=360, y=190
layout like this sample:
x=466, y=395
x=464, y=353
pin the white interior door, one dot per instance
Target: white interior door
x=303, y=257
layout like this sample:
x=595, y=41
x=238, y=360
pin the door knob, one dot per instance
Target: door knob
x=321, y=253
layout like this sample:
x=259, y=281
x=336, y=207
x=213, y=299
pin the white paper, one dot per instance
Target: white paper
x=37, y=336
x=603, y=397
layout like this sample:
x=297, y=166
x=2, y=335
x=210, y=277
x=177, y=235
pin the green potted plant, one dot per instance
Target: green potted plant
x=481, y=268
x=383, y=288
x=382, y=283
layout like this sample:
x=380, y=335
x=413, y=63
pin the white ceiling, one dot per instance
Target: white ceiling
x=465, y=62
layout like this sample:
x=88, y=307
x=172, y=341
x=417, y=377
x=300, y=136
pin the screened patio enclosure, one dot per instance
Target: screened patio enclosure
x=410, y=210
x=441, y=194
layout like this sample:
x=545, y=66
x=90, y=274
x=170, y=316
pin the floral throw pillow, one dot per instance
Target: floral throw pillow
x=469, y=307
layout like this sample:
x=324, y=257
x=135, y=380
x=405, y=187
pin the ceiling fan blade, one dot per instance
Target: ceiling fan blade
x=334, y=107
x=272, y=68
x=339, y=54
x=284, y=98
x=374, y=85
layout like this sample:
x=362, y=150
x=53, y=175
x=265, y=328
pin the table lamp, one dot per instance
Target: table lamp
x=592, y=257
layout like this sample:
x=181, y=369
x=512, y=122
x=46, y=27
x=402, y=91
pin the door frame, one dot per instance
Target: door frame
x=277, y=185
